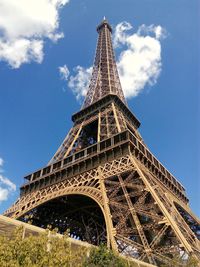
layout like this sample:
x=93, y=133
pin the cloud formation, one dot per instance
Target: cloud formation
x=139, y=63
x=1, y=162
x=138, y=60
x=24, y=25
x=64, y=72
x=6, y=186
x=79, y=83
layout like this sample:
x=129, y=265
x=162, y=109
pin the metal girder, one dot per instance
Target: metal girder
x=105, y=78
x=136, y=221
x=109, y=186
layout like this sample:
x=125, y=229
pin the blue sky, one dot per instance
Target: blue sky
x=36, y=104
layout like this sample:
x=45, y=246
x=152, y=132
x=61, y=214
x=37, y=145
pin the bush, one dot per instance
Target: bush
x=103, y=257
x=49, y=250
x=43, y=250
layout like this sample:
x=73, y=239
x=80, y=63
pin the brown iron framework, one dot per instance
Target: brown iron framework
x=105, y=185
x=105, y=78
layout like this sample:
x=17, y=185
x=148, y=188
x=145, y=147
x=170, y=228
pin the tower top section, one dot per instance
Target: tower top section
x=103, y=24
x=105, y=79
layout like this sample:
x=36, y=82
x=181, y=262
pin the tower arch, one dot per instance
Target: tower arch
x=81, y=215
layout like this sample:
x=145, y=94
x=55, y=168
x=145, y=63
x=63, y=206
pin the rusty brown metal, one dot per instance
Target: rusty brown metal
x=105, y=79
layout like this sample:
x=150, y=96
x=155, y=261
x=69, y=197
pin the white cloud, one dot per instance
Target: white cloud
x=23, y=27
x=79, y=83
x=64, y=72
x=21, y=51
x=157, y=31
x=139, y=63
x=1, y=162
x=119, y=34
x=5, y=181
x=6, y=186
x=3, y=194
x=139, y=60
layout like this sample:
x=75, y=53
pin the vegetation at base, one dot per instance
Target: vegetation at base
x=103, y=257
x=43, y=250
x=49, y=250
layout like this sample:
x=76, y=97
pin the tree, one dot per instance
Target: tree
x=43, y=250
x=102, y=256
x=51, y=250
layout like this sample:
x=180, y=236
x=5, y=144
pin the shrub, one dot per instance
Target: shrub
x=43, y=250
x=104, y=257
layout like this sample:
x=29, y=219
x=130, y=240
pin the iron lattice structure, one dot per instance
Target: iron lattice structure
x=105, y=185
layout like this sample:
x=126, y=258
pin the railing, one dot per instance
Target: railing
x=104, y=145
x=84, y=153
x=153, y=160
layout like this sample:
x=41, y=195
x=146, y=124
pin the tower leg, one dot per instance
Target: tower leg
x=111, y=243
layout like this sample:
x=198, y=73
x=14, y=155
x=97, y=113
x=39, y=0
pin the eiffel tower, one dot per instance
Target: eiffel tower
x=105, y=185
